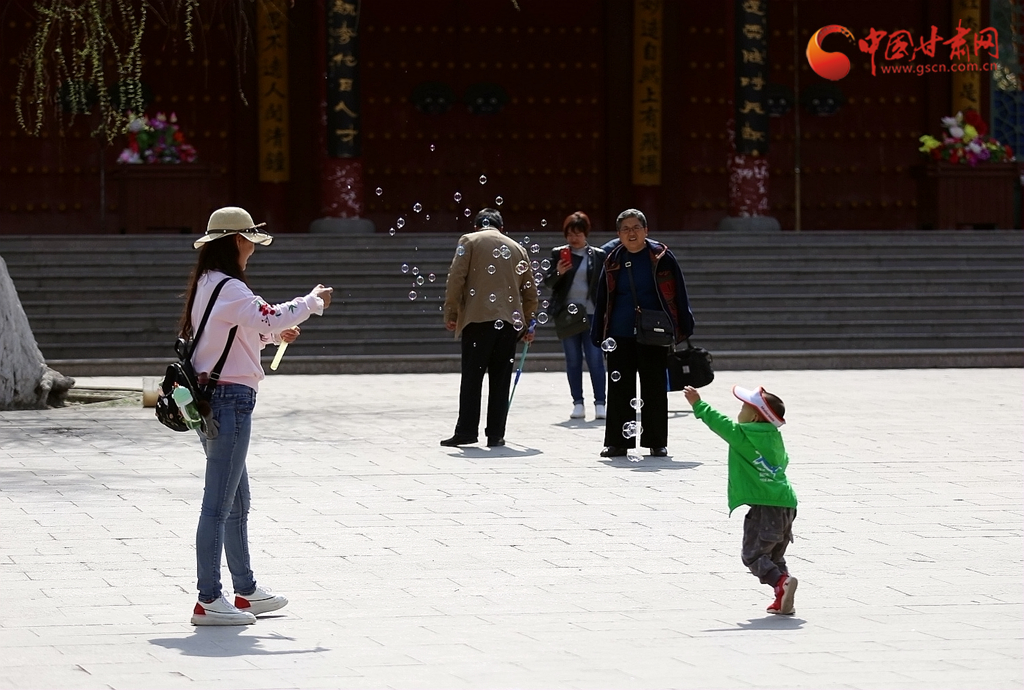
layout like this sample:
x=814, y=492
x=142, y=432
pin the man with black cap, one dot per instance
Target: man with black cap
x=490, y=301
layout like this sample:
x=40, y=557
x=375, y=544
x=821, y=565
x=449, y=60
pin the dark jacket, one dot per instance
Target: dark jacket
x=560, y=284
x=668, y=277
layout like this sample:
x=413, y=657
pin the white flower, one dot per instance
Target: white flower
x=136, y=125
x=956, y=132
x=948, y=122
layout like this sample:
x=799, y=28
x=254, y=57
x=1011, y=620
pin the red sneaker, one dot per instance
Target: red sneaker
x=785, y=591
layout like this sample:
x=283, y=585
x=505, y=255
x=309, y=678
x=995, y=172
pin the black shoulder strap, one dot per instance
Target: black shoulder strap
x=632, y=285
x=206, y=316
x=215, y=374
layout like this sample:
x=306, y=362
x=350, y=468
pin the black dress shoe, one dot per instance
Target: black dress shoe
x=659, y=452
x=613, y=452
x=495, y=442
x=457, y=440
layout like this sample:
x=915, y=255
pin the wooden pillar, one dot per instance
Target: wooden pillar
x=748, y=128
x=272, y=78
x=966, y=84
x=341, y=180
x=648, y=65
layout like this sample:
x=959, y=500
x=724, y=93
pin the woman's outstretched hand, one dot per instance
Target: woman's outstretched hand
x=323, y=293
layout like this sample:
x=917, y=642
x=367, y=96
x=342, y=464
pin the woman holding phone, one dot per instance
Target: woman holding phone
x=573, y=279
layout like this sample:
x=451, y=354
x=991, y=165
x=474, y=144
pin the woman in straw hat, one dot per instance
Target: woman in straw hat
x=251, y=323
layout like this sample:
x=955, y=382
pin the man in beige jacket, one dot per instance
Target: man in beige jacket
x=490, y=301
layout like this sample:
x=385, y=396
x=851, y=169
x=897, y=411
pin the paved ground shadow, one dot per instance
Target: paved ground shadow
x=228, y=640
x=769, y=622
x=649, y=463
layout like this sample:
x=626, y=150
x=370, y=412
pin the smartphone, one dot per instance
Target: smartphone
x=566, y=254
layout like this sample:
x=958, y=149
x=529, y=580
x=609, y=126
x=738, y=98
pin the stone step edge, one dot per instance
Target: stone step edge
x=726, y=360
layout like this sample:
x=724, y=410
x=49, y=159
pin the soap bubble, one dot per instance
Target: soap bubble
x=499, y=324
x=426, y=217
x=457, y=197
x=498, y=200
x=535, y=265
x=609, y=345
x=391, y=232
x=496, y=253
x=432, y=147
x=510, y=298
x=615, y=376
x=526, y=241
x=636, y=403
x=472, y=292
x=629, y=430
x=522, y=267
x=492, y=297
x=535, y=248
x=543, y=223
x=517, y=315
x=518, y=324
x=491, y=269
x=485, y=222
x=405, y=268
x=419, y=280
x=431, y=277
x=542, y=318
x=460, y=250
x=379, y=191
x=572, y=308
x=545, y=264
x=527, y=285
x=633, y=455
x=400, y=223
x=483, y=179
x=415, y=270
x=505, y=252
x=545, y=304
x=417, y=207
x=467, y=213
x=412, y=295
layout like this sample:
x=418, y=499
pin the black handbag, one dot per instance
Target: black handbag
x=182, y=373
x=568, y=324
x=690, y=367
x=652, y=326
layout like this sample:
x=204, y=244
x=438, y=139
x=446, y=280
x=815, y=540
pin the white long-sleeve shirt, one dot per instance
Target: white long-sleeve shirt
x=258, y=324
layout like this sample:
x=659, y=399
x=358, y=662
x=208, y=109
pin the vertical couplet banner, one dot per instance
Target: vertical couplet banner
x=751, y=91
x=966, y=85
x=343, y=140
x=272, y=64
x=647, y=99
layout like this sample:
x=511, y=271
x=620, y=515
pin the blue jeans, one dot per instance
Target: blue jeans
x=225, y=513
x=576, y=348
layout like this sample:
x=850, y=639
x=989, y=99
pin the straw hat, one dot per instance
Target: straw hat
x=232, y=220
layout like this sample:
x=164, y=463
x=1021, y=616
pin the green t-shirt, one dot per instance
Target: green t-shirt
x=757, y=460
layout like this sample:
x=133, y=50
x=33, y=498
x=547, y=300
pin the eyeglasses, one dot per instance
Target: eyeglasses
x=632, y=228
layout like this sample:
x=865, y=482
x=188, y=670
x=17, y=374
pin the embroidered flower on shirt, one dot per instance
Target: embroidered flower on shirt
x=266, y=309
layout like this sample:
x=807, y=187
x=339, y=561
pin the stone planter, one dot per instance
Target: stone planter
x=953, y=196
x=163, y=198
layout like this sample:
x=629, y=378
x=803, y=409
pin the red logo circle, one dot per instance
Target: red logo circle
x=833, y=66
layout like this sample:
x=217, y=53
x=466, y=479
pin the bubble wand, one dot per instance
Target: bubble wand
x=522, y=361
x=280, y=353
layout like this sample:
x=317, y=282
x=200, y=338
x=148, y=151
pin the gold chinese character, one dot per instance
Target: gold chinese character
x=756, y=83
x=341, y=7
x=345, y=84
x=753, y=7
x=344, y=59
x=753, y=31
x=753, y=56
x=342, y=107
x=347, y=135
x=751, y=107
x=751, y=134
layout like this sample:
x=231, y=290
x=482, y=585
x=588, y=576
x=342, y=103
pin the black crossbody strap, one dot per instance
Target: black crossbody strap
x=206, y=316
x=215, y=374
x=632, y=285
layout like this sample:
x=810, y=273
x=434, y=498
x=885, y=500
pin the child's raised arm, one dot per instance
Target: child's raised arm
x=692, y=396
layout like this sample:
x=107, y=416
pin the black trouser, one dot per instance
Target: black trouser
x=767, y=531
x=492, y=350
x=627, y=358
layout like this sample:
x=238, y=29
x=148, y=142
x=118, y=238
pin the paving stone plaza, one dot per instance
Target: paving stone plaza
x=535, y=565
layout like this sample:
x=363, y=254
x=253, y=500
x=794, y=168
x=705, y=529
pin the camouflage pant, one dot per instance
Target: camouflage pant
x=767, y=531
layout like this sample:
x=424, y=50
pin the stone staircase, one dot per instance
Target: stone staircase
x=109, y=304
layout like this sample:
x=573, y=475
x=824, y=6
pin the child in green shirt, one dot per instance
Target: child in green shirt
x=757, y=478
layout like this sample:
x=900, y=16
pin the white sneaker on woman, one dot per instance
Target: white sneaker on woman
x=599, y=412
x=220, y=612
x=578, y=412
x=260, y=601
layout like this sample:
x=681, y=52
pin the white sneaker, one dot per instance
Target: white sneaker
x=260, y=601
x=578, y=412
x=599, y=412
x=220, y=612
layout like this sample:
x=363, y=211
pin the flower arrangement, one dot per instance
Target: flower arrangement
x=965, y=140
x=156, y=140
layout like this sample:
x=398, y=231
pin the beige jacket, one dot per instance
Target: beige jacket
x=471, y=282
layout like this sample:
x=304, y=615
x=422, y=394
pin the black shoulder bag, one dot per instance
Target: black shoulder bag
x=652, y=326
x=182, y=373
x=689, y=367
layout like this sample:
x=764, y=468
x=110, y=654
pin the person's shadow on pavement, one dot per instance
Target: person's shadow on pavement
x=649, y=463
x=769, y=622
x=227, y=640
